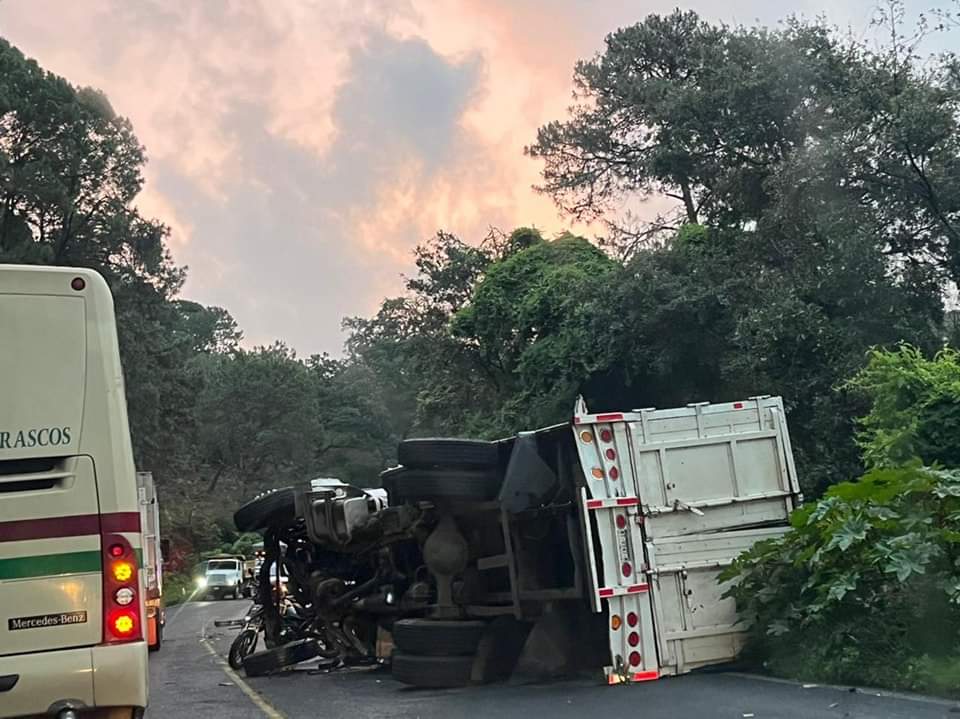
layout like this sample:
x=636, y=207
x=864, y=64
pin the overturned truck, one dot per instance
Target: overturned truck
x=595, y=544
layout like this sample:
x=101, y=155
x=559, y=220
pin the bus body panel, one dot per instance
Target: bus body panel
x=50, y=559
x=88, y=676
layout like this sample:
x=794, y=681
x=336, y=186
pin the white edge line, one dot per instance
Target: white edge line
x=252, y=695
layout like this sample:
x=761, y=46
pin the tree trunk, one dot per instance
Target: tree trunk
x=691, y=209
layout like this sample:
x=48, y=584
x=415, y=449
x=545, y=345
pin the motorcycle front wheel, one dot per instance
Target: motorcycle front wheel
x=242, y=647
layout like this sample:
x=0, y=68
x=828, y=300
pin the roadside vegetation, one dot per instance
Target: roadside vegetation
x=813, y=240
x=866, y=588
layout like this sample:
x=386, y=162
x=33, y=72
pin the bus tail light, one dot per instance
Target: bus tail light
x=121, y=588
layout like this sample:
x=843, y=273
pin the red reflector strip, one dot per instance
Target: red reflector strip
x=614, y=502
x=609, y=417
x=605, y=592
x=646, y=676
x=738, y=405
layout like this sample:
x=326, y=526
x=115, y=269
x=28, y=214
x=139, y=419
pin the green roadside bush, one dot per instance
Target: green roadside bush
x=914, y=408
x=865, y=589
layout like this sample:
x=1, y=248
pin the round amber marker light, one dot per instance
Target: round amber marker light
x=123, y=571
x=123, y=624
x=586, y=436
x=597, y=472
x=615, y=622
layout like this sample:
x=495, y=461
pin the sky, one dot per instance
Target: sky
x=300, y=149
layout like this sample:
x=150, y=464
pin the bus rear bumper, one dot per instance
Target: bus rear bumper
x=88, y=677
x=120, y=675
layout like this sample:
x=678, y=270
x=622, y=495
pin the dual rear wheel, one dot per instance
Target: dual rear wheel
x=435, y=653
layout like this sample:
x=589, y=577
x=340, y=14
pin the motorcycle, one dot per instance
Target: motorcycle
x=245, y=642
x=294, y=627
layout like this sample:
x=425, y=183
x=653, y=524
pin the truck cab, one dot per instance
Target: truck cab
x=223, y=576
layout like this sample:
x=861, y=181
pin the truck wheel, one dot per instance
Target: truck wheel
x=270, y=660
x=411, y=485
x=434, y=672
x=429, y=637
x=274, y=507
x=449, y=453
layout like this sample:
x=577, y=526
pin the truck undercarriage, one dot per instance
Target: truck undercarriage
x=477, y=557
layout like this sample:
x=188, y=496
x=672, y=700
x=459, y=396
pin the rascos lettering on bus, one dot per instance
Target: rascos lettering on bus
x=42, y=437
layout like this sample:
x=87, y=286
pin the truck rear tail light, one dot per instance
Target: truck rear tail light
x=611, y=454
x=634, y=639
x=632, y=619
x=627, y=569
x=614, y=473
x=634, y=659
x=615, y=622
x=606, y=435
x=121, y=583
x=621, y=522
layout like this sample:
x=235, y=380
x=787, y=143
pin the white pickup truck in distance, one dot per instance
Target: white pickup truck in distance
x=223, y=576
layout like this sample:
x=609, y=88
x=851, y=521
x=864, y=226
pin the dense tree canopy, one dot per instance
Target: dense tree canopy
x=817, y=187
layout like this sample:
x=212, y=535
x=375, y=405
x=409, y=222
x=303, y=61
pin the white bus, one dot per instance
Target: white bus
x=72, y=611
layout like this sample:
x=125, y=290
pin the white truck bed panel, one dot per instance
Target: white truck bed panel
x=706, y=482
x=696, y=625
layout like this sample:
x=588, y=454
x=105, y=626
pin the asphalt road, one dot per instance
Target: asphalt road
x=188, y=681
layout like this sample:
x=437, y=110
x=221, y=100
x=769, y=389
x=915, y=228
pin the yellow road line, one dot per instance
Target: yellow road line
x=261, y=703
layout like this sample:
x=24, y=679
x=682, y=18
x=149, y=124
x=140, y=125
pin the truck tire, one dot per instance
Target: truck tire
x=433, y=672
x=448, y=453
x=413, y=485
x=445, y=638
x=274, y=507
x=270, y=660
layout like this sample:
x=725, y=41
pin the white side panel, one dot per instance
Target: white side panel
x=696, y=626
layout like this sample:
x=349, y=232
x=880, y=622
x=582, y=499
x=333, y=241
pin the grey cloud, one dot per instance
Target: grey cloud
x=292, y=272
x=400, y=91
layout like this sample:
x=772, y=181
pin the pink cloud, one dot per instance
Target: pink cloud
x=236, y=103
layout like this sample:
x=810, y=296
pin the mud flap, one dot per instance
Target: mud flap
x=529, y=481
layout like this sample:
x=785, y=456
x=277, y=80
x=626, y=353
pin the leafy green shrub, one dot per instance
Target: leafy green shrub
x=865, y=588
x=915, y=407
